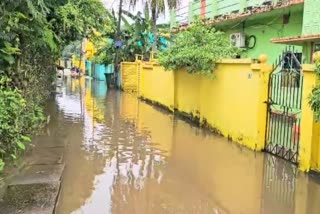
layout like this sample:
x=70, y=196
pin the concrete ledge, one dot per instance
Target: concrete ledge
x=247, y=61
x=36, y=174
x=235, y=61
x=30, y=198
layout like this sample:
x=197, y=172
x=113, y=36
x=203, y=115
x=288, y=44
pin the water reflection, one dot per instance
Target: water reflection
x=124, y=156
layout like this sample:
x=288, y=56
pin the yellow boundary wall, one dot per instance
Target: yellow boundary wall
x=231, y=103
x=156, y=84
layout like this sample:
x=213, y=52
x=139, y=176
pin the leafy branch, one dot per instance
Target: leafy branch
x=197, y=49
x=314, y=98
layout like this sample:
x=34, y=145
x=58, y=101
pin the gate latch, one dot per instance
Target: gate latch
x=269, y=102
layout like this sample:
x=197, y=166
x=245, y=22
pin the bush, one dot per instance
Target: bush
x=197, y=49
x=314, y=99
x=15, y=121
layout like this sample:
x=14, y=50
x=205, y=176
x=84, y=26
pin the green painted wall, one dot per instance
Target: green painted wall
x=220, y=7
x=228, y=6
x=173, y=20
x=266, y=29
x=311, y=17
x=311, y=25
x=195, y=10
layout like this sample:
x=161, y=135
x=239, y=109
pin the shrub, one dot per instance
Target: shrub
x=197, y=49
x=314, y=99
x=15, y=119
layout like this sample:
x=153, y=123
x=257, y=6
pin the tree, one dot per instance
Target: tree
x=135, y=39
x=135, y=36
x=83, y=17
x=156, y=7
x=73, y=48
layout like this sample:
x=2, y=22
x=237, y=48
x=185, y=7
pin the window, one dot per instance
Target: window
x=291, y=68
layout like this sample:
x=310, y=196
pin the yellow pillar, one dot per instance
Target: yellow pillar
x=307, y=120
x=264, y=75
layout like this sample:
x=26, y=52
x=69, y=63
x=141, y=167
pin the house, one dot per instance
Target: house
x=259, y=26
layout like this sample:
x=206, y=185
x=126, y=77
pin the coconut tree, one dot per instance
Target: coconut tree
x=156, y=7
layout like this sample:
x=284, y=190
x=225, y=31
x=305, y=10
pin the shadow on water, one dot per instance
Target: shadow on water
x=124, y=156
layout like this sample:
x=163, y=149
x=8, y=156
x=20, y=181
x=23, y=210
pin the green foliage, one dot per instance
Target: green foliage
x=73, y=48
x=16, y=120
x=134, y=37
x=134, y=34
x=314, y=98
x=105, y=54
x=2, y=164
x=26, y=139
x=317, y=68
x=33, y=33
x=197, y=49
x=156, y=8
x=80, y=18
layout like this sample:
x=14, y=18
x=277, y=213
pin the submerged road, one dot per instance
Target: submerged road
x=125, y=156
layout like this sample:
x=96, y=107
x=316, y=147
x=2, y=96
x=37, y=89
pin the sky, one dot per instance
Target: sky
x=165, y=18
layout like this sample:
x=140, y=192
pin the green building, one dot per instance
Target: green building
x=259, y=26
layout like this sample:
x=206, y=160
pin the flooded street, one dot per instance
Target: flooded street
x=125, y=156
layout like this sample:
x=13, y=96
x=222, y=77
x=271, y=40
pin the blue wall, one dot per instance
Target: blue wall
x=100, y=70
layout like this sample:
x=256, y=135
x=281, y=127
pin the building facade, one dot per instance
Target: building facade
x=259, y=26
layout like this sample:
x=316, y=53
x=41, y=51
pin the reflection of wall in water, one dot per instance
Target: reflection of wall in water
x=99, y=89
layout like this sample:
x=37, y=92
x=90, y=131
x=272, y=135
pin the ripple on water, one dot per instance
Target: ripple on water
x=125, y=156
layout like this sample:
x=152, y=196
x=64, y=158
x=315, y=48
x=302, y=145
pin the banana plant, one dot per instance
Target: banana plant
x=136, y=37
x=156, y=7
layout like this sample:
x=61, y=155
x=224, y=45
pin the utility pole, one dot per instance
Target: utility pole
x=117, y=38
x=81, y=54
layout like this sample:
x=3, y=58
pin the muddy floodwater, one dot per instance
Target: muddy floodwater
x=125, y=156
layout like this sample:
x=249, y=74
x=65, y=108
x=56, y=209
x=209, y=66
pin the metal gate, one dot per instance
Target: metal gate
x=284, y=106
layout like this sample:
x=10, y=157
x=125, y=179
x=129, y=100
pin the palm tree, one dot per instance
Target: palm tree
x=156, y=7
